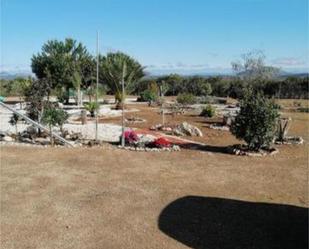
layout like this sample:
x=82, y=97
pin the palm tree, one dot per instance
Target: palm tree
x=112, y=72
x=77, y=81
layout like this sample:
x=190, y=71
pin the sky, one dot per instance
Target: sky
x=167, y=36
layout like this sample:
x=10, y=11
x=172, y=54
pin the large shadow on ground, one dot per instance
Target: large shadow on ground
x=214, y=223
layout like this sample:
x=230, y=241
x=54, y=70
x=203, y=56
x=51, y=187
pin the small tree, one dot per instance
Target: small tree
x=54, y=117
x=149, y=96
x=206, y=89
x=92, y=107
x=256, y=121
x=35, y=94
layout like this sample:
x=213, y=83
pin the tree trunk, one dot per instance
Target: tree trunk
x=67, y=97
x=83, y=117
x=51, y=136
x=20, y=103
x=78, y=96
x=81, y=98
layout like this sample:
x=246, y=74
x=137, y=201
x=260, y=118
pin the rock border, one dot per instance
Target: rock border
x=147, y=149
x=241, y=150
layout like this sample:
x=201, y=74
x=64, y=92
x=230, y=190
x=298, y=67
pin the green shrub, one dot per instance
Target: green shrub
x=208, y=111
x=92, y=107
x=54, y=117
x=186, y=99
x=149, y=96
x=256, y=121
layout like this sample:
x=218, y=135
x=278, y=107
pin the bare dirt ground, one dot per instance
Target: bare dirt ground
x=110, y=198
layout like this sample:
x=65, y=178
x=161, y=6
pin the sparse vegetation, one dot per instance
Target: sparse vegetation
x=186, y=99
x=208, y=111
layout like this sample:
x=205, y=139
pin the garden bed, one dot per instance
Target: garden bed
x=242, y=150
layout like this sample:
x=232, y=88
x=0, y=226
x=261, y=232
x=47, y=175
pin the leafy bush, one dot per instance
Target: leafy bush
x=54, y=117
x=149, y=96
x=186, y=99
x=256, y=121
x=208, y=111
x=92, y=107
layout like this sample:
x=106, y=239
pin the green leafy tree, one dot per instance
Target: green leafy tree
x=59, y=60
x=114, y=67
x=77, y=82
x=54, y=117
x=35, y=94
x=149, y=96
x=19, y=87
x=174, y=82
x=256, y=121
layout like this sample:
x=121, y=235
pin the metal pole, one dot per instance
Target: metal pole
x=96, y=93
x=122, y=98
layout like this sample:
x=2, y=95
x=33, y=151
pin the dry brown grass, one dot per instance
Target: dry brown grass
x=109, y=198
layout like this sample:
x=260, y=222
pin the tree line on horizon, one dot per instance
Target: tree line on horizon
x=65, y=66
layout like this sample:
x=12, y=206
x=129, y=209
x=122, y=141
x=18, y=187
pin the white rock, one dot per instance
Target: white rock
x=7, y=139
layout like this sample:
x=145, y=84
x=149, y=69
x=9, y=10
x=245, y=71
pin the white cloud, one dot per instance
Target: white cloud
x=288, y=61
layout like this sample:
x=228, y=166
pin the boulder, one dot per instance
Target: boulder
x=42, y=141
x=7, y=139
x=156, y=127
x=228, y=120
x=25, y=134
x=26, y=140
x=2, y=134
x=188, y=129
x=32, y=130
x=178, y=132
x=75, y=136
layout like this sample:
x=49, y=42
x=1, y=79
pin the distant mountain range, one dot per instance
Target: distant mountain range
x=13, y=75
